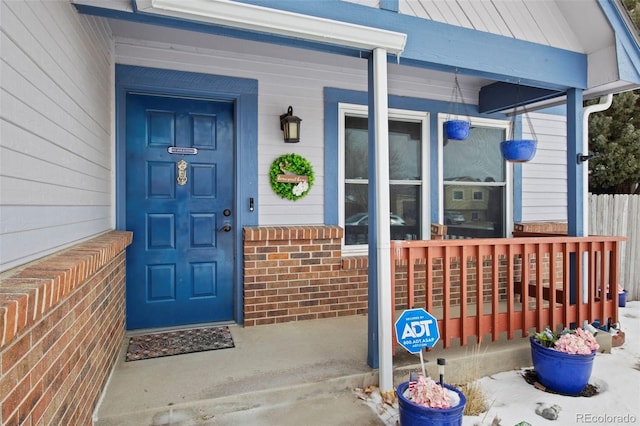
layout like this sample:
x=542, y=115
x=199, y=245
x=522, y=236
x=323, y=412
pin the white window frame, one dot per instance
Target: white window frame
x=345, y=109
x=477, y=122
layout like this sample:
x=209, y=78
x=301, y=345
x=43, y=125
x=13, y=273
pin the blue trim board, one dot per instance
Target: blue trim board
x=502, y=96
x=390, y=5
x=430, y=44
x=447, y=47
x=575, y=181
x=244, y=93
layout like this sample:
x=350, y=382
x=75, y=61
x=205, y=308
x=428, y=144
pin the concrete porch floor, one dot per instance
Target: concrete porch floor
x=285, y=374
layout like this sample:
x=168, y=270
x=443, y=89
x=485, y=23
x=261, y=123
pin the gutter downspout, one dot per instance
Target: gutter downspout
x=603, y=105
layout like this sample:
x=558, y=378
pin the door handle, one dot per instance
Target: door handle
x=226, y=227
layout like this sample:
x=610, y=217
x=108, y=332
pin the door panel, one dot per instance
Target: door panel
x=180, y=265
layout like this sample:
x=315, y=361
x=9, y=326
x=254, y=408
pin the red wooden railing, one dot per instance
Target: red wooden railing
x=525, y=283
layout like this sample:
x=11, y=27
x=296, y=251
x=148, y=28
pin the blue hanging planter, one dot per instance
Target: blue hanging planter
x=457, y=129
x=518, y=150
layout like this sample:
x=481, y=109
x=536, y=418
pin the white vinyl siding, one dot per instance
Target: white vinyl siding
x=55, y=126
x=544, y=179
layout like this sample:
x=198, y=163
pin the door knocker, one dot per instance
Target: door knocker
x=182, y=172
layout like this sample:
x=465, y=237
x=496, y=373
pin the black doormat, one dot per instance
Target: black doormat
x=155, y=345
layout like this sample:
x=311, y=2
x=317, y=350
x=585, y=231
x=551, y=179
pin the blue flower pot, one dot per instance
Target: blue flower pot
x=457, y=129
x=622, y=298
x=518, y=150
x=560, y=372
x=412, y=414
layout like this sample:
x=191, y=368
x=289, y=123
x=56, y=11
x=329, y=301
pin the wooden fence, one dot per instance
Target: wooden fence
x=489, y=287
x=620, y=215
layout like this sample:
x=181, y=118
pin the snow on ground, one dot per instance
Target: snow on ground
x=513, y=400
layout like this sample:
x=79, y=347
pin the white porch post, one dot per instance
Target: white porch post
x=382, y=244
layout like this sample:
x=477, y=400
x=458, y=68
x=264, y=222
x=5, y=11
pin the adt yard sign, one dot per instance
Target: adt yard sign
x=417, y=329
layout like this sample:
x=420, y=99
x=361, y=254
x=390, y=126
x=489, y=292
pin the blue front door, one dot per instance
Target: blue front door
x=179, y=167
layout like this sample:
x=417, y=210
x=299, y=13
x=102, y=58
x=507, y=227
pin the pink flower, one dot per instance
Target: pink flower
x=580, y=342
x=428, y=393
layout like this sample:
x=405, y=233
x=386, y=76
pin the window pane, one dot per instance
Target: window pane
x=404, y=150
x=405, y=164
x=476, y=158
x=405, y=205
x=479, y=213
x=356, y=148
x=355, y=213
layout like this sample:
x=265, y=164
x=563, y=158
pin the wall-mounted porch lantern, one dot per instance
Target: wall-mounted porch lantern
x=290, y=126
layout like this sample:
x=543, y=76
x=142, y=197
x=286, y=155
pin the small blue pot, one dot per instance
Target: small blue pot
x=518, y=150
x=457, y=129
x=622, y=298
x=560, y=372
x=412, y=414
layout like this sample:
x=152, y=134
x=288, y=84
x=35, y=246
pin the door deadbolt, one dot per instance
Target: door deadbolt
x=226, y=212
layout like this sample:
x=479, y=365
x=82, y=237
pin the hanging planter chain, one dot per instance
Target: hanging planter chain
x=456, y=128
x=524, y=113
x=456, y=93
x=519, y=150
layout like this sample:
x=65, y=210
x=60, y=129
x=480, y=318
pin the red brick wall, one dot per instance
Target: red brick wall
x=297, y=273
x=61, y=326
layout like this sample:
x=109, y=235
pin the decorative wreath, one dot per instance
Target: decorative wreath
x=291, y=176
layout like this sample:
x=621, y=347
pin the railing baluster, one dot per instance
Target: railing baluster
x=540, y=322
x=479, y=294
x=446, y=298
x=614, y=277
x=553, y=285
x=511, y=300
x=464, y=303
x=495, y=294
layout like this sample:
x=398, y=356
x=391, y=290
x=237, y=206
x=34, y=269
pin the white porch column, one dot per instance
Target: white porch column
x=383, y=247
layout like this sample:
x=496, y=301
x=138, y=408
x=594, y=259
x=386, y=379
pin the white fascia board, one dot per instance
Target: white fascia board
x=119, y=5
x=274, y=21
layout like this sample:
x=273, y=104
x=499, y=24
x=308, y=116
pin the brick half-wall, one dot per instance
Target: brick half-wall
x=61, y=327
x=294, y=273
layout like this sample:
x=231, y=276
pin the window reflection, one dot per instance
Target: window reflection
x=405, y=172
x=475, y=184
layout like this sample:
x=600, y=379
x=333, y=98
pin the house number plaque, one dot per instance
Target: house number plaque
x=182, y=172
x=182, y=150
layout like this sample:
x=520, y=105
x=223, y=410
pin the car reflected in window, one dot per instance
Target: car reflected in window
x=452, y=217
x=361, y=219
